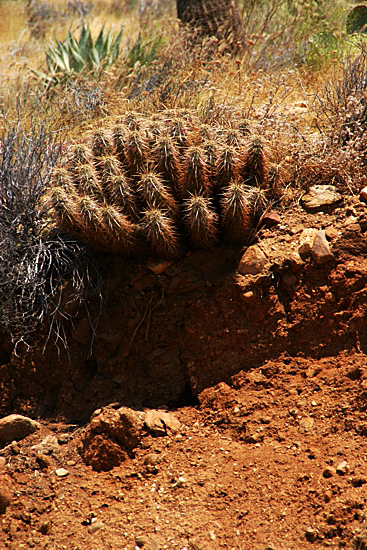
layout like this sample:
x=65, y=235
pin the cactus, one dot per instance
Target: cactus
x=119, y=192
x=156, y=195
x=139, y=176
x=194, y=179
x=80, y=154
x=136, y=153
x=227, y=167
x=236, y=212
x=167, y=159
x=254, y=169
x=66, y=208
x=117, y=229
x=160, y=233
x=108, y=166
x=201, y=221
x=86, y=181
x=60, y=177
x=119, y=141
x=101, y=143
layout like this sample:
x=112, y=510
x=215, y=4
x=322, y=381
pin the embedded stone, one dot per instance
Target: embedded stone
x=320, y=196
x=16, y=427
x=253, y=261
x=320, y=249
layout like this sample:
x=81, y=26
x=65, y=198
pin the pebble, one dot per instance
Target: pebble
x=306, y=240
x=320, y=196
x=311, y=534
x=331, y=233
x=329, y=472
x=248, y=297
x=44, y=527
x=253, y=261
x=296, y=262
x=320, y=249
x=159, y=267
x=16, y=427
x=95, y=527
x=48, y=445
x=181, y=482
x=342, y=468
x=328, y=496
x=141, y=541
x=306, y=424
x=271, y=219
x=161, y=422
x=5, y=498
x=363, y=194
x=61, y=472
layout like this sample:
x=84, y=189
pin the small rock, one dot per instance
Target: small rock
x=342, y=468
x=181, y=482
x=71, y=463
x=328, y=496
x=159, y=267
x=271, y=219
x=44, y=527
x=320, y=196
x=331, y=233
x=311, y=534
x=5, y=498
x=151, y=462
x=363, y=194
x=320, y=249
x=212, y=535
x=289, y=279
x=161, y=422
x=49, y=445
x=61, y=472
x=306, y=240
x=253, y=261
x=2, y=462
x=96, y=526
x=306, y=424
x=248, y=297
x=16, y=427
x=296, y=262
x=43, y=461
x=63, y=439
x=82, y=333
x=329, y=472
x=141, y=541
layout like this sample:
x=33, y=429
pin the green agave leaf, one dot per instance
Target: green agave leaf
x=100, y=42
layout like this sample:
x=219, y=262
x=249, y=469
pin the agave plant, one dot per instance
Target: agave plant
x=73, y=56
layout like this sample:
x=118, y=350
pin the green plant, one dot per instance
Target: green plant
x=144, y=51
x=73, y=56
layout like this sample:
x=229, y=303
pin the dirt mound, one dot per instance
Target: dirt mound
x=262, y=360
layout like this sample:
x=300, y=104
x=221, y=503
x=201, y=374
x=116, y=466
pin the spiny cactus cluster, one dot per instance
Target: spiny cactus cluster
x=163, y=183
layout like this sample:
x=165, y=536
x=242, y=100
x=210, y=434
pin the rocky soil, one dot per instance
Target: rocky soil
x=221, y=402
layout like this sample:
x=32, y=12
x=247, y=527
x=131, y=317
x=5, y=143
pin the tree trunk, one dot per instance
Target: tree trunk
x=219, y=18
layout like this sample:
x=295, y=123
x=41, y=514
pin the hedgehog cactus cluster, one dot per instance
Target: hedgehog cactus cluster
x=163, y=184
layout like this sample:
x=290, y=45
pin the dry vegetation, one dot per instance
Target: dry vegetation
x=178, y=143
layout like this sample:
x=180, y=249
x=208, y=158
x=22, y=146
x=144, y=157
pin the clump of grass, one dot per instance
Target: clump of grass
x=36, y=259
